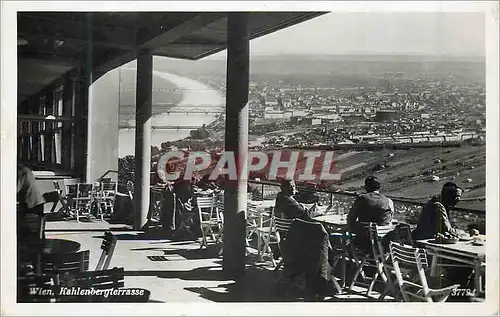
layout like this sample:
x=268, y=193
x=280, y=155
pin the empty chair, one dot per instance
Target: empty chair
x=108, y=196
x=370, y=260
x=65, y=198
x=266, y=236
x=209, y=219
x=84, y=199
x=252, y=222
x=187, y=216
x=108, y=248
x=415, y=287
x=56, y=263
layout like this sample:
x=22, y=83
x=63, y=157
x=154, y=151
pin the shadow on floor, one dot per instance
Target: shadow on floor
x=206, y=273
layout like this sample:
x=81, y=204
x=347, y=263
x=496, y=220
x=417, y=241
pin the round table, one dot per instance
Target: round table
x=52, y=246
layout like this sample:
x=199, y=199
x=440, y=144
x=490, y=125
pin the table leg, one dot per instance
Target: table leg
x=434, y=265
x=344, y=269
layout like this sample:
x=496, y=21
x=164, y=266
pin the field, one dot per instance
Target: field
x=407, y=173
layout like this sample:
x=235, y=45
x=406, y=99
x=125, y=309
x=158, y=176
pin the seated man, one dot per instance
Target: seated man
x=288, y=207
x=435, y=215
x=369, y=207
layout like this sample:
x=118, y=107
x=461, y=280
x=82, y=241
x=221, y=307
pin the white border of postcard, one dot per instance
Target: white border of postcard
x=8, y=163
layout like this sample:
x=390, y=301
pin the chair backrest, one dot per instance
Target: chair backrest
x=66, y=262
x=402, y=234
x=109, y=188
x=374, y=233
x=409, y=258
x=282, y=224
x=67, y=182
x=84, y=190
x=108, y=248
x=207, y=208
x=57, y=187
x=219, y=197
x=103, y=279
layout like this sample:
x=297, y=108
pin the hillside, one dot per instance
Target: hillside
x=406, y=173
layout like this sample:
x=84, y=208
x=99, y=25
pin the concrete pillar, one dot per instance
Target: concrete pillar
x=103, y=126
x=81, y=114
x=82, y=107
x=236, y=138
x=68, y=102
x=143, y=119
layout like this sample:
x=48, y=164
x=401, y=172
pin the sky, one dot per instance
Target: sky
x=396, y=33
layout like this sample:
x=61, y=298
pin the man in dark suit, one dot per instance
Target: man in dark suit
x=435, y=215
x=371, y=206
x=288, y=207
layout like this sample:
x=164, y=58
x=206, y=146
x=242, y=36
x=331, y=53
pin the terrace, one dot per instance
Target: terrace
x=176, y=269
x=60, y=128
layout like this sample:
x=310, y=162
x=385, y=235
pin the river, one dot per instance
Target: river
x=196, y=97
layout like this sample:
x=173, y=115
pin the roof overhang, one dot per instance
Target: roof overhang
x=51, y=44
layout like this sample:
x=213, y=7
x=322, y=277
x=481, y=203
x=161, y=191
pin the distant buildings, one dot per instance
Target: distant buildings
x=386, y=115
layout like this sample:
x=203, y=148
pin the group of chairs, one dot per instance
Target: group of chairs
x=400, y=269
x=71, y=270
x=398, y=265
x=79, y=199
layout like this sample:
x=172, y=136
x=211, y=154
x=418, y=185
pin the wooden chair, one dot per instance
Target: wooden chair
x=252, y=223
x=187, y=217
x=84, y=199
x=108, y=248
x=108, y=197
x=209, y=219
x=56, y=263
x=415, y=260
x=266, y=235
x=372, y=260
x=282, y=227
x=65, y=199
x=52, y=197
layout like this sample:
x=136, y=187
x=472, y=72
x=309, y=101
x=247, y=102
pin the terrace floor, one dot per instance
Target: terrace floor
x=178, y=271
